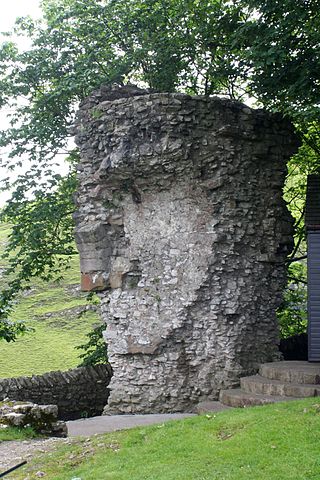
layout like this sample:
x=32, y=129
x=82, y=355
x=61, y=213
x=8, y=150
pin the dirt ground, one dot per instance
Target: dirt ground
x=14, y=452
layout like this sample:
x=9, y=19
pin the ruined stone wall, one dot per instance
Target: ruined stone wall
x=182, y=228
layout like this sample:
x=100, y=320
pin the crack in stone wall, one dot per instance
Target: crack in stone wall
x=182, y=228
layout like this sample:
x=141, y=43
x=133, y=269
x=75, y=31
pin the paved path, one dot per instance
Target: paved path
x=106, y=423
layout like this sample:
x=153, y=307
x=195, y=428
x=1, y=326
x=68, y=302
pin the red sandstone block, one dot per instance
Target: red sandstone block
x=93, y=282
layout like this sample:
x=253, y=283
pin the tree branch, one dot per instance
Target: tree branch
x=296, y=259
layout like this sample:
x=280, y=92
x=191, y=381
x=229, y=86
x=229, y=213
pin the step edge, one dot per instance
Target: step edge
x=275, y=381
x=274, y=372
x=258, y=395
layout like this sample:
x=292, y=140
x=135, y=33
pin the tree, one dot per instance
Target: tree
x=166, y=45
x=95, y=350
x=205, y=47
x=280, y=42
x=281, y=50
x=280, y=54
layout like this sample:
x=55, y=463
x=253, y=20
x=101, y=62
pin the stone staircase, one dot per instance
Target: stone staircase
x=276, y=382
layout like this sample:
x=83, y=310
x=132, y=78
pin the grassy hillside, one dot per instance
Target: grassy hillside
x=274, y=442
x=53, y=312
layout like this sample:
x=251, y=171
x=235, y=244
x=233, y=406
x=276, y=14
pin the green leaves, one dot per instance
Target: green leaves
x=269, y=50
x=10, y=330
x=41, y=242
x=292, y=315
x=282, y=54
x=167, y=45
x=283, y=51
x=95, y=350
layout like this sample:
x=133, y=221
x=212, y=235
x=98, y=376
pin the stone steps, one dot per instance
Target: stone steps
x=292, y=372
x=239, y=398
x=265, y=386
x=276, y=382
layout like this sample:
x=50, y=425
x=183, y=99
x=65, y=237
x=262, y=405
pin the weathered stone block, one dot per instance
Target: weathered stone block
x=42, y=418
x=14, y=419
x=189, y=190
x=93, y=282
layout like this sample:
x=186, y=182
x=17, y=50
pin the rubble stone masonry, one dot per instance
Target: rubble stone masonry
x=182, y=228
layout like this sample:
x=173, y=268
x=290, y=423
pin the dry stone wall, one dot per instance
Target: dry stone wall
x=182, y=228
x=77, y=392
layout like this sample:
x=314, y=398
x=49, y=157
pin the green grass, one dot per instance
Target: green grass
x=14, y=433
x=52, y=311
x=274, y=442
x=49, y=347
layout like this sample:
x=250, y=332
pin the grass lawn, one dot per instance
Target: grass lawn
x=51, y=346
x=14, y=433
x=273, y=442
x=51, y=310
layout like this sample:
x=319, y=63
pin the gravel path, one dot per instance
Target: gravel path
x=14, y=452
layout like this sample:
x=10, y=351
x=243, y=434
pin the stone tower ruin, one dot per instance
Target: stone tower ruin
x=182, y=229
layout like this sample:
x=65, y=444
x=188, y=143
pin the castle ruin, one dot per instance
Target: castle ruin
x=183, y=232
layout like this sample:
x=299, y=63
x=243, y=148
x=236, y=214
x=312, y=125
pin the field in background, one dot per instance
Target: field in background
x=53, y=312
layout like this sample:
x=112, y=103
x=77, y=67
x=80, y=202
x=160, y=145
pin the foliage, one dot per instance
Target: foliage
x=272, y=442
x=32, y=238
x=36, y=247
x=281, y=51
x=292, y=314
x=10, y=330
x=75, y=48
x=95, y=349
x=266, y=49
